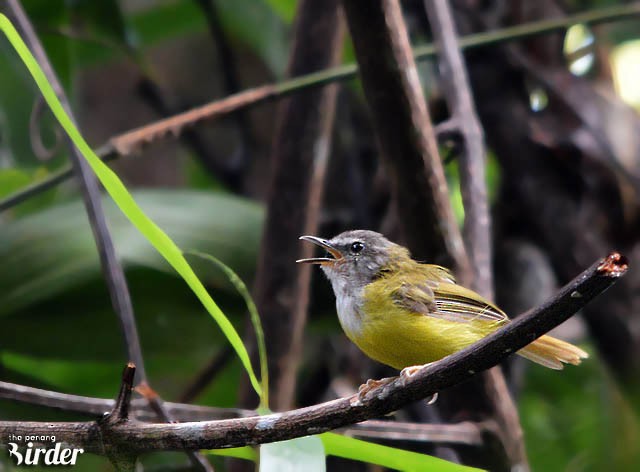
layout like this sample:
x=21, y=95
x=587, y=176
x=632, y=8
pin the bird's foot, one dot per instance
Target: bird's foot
x=410, y=371
x=372, y=385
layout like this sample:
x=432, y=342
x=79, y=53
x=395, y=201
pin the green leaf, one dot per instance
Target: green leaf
x=127, y=204
x=393, y=458
x=293, y=455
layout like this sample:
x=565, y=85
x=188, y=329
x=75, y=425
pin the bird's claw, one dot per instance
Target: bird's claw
x=410, y=371
x=372, y=384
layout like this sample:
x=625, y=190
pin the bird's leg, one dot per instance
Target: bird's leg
x=372, y=385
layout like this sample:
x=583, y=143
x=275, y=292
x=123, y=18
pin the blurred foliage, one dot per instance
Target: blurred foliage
x=58, y=328
x=579, y=419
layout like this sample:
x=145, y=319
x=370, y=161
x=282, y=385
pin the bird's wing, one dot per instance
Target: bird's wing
x=447, y=301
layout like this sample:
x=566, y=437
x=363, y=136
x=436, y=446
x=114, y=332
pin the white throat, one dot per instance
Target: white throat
x=348, y=306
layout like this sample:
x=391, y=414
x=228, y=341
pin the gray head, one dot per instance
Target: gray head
x=353, y=257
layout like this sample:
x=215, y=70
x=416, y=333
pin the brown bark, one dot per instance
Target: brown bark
x=398, y=109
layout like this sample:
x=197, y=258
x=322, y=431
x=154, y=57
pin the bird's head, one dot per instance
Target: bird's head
x=355, y=257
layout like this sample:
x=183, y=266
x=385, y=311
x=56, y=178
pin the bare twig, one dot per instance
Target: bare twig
x=435, y=377
x=455, y=82
x=120, y=410
x=466, y=433
x=98, y=406
x=122, y=460
x=392, y=86
x=462, y=433
x=135, y=139
x=128, y=142
x=491, y=389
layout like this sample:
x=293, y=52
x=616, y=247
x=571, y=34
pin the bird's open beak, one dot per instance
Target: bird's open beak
x=335, y=254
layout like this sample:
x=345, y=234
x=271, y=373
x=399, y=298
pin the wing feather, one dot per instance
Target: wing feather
x=446, y=300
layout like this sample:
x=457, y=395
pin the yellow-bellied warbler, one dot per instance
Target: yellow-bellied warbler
x=403, y=313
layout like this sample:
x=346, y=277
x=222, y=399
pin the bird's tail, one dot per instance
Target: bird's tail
x=552, y=353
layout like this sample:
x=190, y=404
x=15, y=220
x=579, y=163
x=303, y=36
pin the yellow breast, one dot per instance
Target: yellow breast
x=400, y=338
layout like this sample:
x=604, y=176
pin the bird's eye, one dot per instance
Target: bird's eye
x=357, y=247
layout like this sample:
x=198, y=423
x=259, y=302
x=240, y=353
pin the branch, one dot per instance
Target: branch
x=231, y=84
x=455, y=82
x=343, y=411
x=120, y=410
x=98, y=406
x=136, y=139
x=392, y=87
x=491, y=390
x=467, y=433
x=462, y=433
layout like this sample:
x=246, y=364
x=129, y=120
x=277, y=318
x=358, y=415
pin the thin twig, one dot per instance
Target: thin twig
x=138, y=438
x=455, y=82
x=135, y=139
x=120, y=410
x=98, y=406
x=466, y=433
x=462, y=433
x=124, y=461
x=491, y=388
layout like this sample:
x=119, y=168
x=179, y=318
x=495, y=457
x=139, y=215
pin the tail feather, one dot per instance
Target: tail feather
x=553, y=353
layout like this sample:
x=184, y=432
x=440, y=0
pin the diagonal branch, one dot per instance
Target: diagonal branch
x=138, y=438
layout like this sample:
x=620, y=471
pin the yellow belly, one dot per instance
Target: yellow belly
x=400, y=338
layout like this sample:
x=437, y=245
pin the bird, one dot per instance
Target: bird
x=405, y=314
